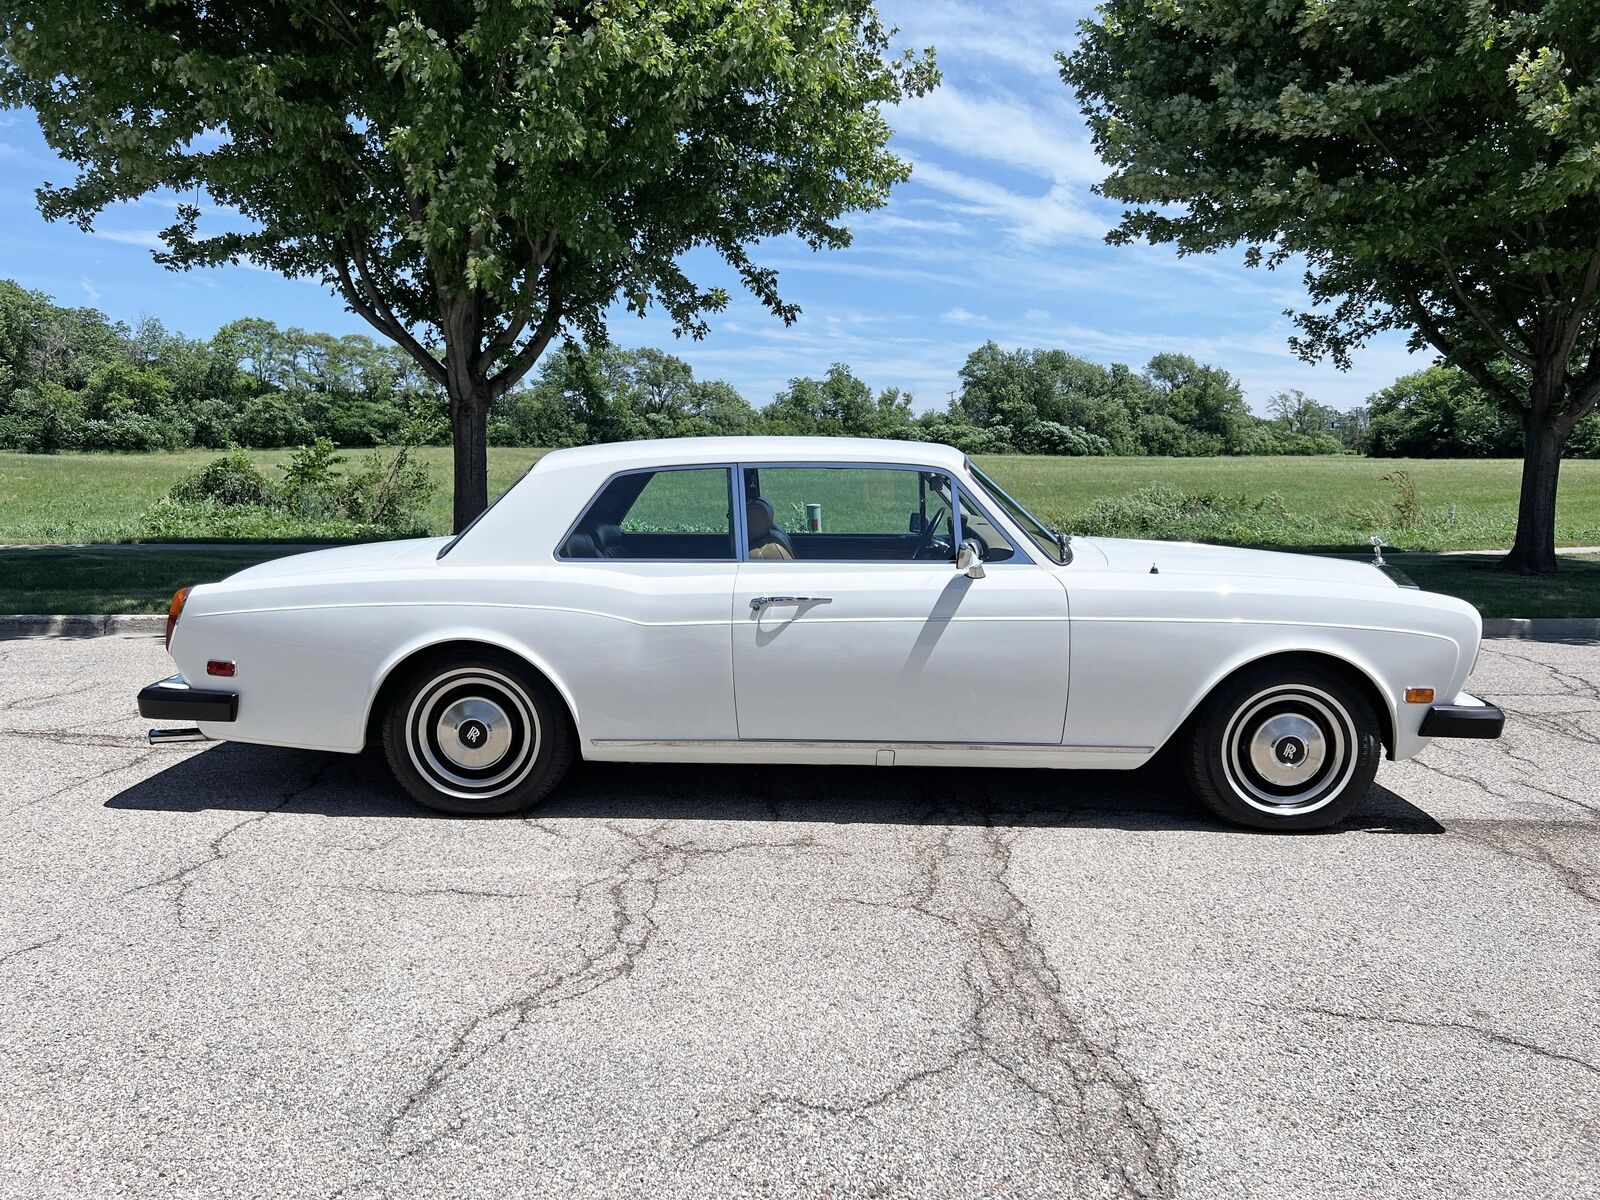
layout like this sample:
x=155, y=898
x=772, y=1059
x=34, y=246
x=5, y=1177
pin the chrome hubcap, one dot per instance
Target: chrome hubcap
x=473, y=733
x=1287, y=749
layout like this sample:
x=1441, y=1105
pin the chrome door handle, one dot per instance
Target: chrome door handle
x=757, y=603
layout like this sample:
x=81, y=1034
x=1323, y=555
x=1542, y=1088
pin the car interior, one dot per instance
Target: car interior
x=869, y=514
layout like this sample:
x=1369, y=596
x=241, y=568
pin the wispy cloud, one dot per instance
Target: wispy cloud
x=89, y=289
x=1054, y=216
x=150, y=239
x=1044, y=138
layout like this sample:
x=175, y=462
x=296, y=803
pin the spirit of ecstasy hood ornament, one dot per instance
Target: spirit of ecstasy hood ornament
x=1378, y=547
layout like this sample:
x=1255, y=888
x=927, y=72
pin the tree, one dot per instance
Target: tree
x=1434, y=164
x=478, y=179
x=1438, y=413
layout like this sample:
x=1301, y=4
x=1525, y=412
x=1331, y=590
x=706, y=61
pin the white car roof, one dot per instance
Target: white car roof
x=667, y=452
x=536, y=512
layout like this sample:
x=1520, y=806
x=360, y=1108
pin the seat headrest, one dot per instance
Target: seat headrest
x=758, y=516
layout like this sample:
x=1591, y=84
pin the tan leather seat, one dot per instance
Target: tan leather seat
x=767, y=539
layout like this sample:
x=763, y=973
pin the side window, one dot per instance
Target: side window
x=675, y=515
x=848, y=514
x=977, y=527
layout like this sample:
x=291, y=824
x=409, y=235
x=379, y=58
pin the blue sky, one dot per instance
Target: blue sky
x=996, y=236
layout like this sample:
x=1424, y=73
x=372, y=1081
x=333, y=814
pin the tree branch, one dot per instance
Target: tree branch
x=504, y=380
x=1518, y=356
x=384, y=321
x=1468, y=363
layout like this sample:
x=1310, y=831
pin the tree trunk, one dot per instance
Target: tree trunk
x=469, y=435
x=1534, y=552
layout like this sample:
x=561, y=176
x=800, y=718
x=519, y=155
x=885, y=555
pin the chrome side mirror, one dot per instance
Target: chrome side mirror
x=969, y=559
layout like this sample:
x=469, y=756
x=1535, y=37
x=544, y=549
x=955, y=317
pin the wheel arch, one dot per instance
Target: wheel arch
x=396, y=668
x=1358, y=674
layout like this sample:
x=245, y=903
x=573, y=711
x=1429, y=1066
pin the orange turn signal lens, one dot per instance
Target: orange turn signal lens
x=179, y=598
x=1419, y=695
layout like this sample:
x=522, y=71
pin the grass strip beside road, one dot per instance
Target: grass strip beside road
x=90, y=580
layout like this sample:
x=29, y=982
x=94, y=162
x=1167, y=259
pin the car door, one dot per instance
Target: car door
x=643, y=604
x=852, y=624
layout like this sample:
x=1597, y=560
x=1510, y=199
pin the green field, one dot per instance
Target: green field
x=1328, y=504
x=1331, y=501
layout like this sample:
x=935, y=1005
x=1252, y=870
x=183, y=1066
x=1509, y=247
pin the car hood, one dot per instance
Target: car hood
x=366, y=556
x=1194, y=558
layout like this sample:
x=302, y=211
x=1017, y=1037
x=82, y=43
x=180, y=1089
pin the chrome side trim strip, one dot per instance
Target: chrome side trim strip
x=798, y=744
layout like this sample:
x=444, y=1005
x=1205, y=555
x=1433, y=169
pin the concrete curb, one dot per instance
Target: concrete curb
x=85, y=625
x=148, y=624
x=1543, y=629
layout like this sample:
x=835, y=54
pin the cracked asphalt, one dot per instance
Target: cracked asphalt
x=228, y=970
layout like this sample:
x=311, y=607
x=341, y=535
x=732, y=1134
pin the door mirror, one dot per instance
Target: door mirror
x=969, y=559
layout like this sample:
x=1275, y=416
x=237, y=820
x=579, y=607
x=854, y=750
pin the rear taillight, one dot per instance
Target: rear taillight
x=174, y=611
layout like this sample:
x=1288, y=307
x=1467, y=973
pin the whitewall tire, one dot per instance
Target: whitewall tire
x=1290, y=746
x=476, y=733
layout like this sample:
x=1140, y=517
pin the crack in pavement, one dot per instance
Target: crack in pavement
x=30, y=702
x=82, y=780
x=21, y=950
x=1019, y=1025
x=1571, y=683
x=1493, y=1036
x=630, y=892
x=61, y=737
x=184, y=877
x=1517, y=840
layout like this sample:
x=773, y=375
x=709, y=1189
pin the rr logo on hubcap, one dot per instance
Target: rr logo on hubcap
x=1290, y=751
x=472, y=733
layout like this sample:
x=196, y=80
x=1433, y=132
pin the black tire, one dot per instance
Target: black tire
x=479, y=734
x=1284, y=747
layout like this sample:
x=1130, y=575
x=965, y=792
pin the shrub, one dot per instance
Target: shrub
x=231, y=480
x=1051, y=437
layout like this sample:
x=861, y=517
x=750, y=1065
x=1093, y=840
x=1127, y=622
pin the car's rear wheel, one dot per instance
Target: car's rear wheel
x=1284, y=747
x=480, y=734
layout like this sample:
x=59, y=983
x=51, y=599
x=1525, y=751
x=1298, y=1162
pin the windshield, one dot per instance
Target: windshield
x=1043, y=536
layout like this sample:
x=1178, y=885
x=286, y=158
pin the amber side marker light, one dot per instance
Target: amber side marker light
x=1419, y=695
x=174, y=610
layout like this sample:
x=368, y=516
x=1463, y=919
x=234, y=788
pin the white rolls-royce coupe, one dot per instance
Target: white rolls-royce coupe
x=820, y=600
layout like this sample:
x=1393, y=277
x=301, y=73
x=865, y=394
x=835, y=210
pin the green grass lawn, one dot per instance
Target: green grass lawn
x=98, y=497
x=111, y=581
x=1332, y=503
x=1335, y=500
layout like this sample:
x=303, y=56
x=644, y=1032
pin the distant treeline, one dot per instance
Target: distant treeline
x=72, y=379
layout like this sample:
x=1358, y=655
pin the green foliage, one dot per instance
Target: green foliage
x=1433, y=166
x=231, y=480
x=475, y=179
x=228, y=498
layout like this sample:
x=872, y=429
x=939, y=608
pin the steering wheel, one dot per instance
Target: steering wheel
x=925, y=538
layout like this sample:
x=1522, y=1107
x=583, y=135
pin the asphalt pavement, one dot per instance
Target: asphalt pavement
x=237, y=971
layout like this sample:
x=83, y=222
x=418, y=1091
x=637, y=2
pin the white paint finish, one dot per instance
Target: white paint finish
x=900, y=652
x=912, y=658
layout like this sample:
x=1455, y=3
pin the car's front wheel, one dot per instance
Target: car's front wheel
x=480, y=734
x=1285, y=747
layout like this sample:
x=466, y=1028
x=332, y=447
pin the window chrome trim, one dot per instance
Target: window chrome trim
x=734, y=513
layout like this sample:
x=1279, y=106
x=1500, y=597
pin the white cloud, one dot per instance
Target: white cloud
x=89, y=289
x=961, y=316
x=1036, y=220
x=1046, y=139
x=150, y=239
